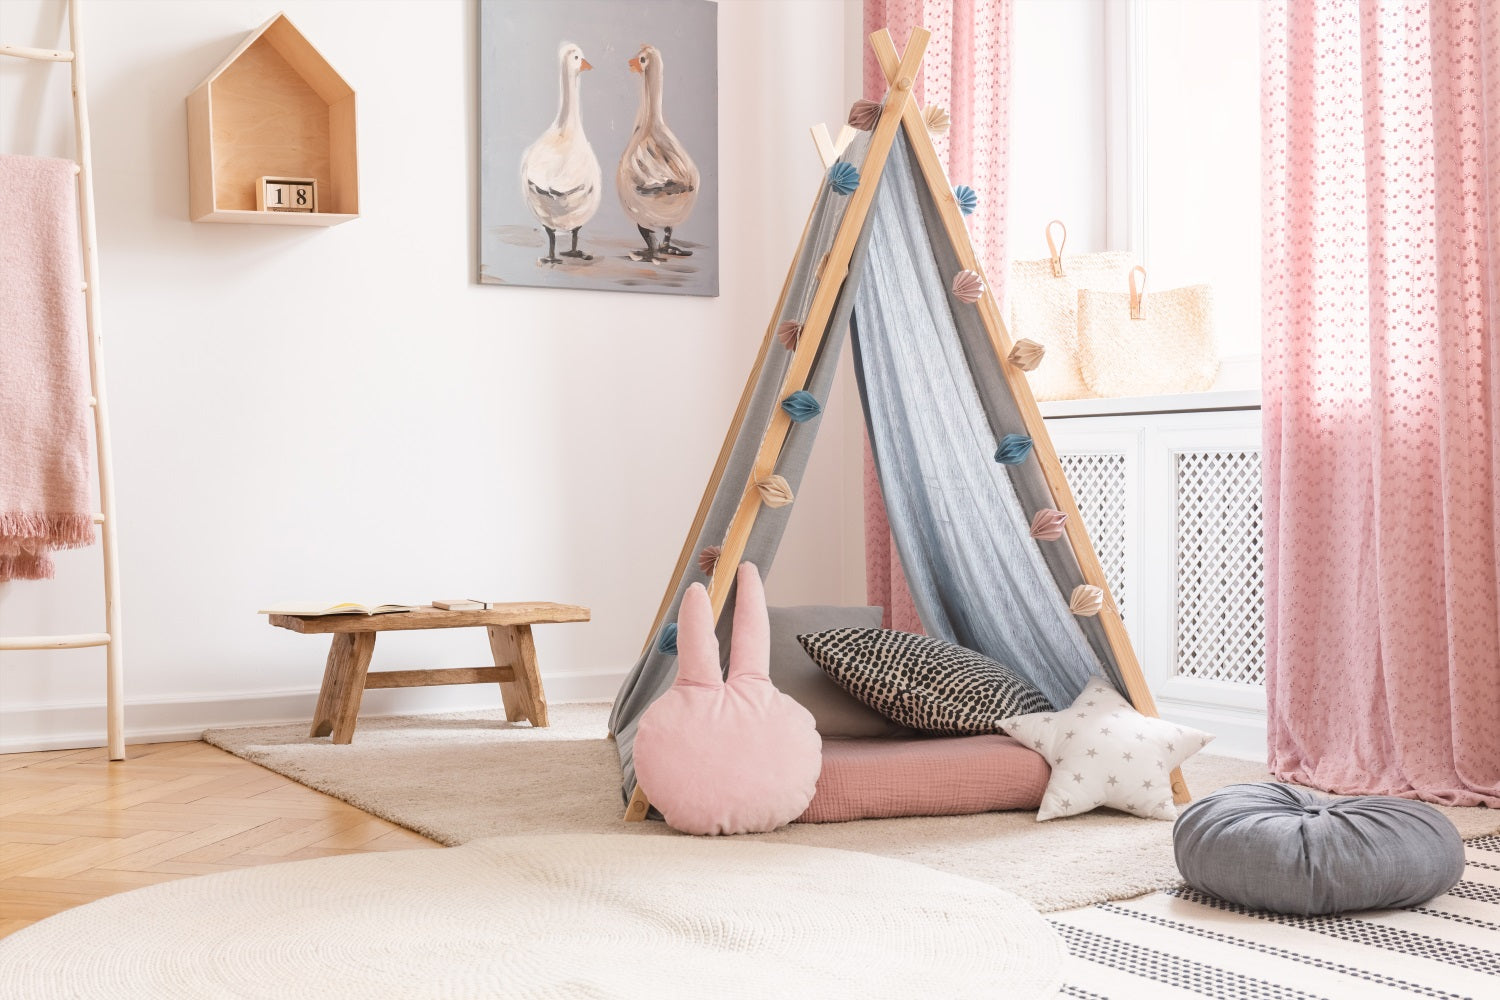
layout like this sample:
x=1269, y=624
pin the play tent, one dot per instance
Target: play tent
x=972, y=484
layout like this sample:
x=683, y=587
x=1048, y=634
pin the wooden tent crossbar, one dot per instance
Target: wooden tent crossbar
x=1042, y=447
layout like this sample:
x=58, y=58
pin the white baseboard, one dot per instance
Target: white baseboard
x=26, y=728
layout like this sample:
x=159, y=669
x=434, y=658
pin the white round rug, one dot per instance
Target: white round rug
x=584, y=915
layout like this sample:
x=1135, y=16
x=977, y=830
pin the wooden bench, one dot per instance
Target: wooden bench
x=347, y=674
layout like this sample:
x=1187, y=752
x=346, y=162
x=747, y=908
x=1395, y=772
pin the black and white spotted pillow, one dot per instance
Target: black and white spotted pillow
x=921, y=682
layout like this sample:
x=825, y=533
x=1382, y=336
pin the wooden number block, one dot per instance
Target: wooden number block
x=286, y=194
x=300, y=198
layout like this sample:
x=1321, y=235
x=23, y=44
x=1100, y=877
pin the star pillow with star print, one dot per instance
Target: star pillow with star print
x=1105, y=753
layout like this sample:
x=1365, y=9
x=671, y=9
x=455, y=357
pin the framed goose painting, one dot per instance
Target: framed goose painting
x=599, y=145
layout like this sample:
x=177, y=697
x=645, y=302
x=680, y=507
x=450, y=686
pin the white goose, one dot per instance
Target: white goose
x=559, y=172
x=657, y=180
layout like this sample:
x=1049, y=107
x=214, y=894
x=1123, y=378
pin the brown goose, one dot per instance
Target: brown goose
x=657, y=180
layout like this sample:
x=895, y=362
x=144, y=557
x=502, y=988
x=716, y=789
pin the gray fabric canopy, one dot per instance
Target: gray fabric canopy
x=936, y=404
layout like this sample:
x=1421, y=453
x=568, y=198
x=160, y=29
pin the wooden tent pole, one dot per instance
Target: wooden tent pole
x=722, y=462
x=1046, y=454
x=831, y=274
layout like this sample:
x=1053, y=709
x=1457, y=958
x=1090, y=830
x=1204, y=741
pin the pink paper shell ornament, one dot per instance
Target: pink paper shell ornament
x=789, y=332
x=968, y=286
x=864, y=114
x=1087, y=601
x=1048, y=524
x=775, y=491
x=723, y=756
x=1026, y=354
x=708, y=559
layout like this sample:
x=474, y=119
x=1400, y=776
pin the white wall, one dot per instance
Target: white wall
x=337, y=413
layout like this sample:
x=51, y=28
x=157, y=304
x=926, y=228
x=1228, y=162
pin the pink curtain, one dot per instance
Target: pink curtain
x=1381, y=124
x=966, y=70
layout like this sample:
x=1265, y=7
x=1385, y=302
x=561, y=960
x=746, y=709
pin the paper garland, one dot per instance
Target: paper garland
x=968, y=286
x=843, y=178
x=864, y=114
x=1048, y=524
x=1087, y=601
x=775, y=491
x=801, y=406
x=1013, y=449
x=1026, y=355
x=789, y=332
x=967, y=199
x=709, y=558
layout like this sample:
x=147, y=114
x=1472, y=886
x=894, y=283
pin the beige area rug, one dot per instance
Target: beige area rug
x=457, y=778
x=556, y=916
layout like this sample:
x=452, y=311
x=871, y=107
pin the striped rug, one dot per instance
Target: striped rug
x=1184, y=943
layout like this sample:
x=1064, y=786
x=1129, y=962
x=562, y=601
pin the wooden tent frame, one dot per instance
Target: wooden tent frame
x=900, y=108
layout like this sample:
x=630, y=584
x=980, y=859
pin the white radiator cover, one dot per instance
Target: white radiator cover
x=1170, y=490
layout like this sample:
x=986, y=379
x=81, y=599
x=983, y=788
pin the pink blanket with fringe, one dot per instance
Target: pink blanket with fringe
x=44, y=461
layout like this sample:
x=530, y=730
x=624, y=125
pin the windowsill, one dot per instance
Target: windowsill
x=1187, y=402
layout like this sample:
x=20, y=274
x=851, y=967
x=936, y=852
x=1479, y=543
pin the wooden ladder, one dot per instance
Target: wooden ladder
x=83, y=167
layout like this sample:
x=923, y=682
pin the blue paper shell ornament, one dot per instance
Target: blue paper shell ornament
x=668, y=641
x=801, y=406
x=967, y=199
x=843, y=178
x=1013, y=449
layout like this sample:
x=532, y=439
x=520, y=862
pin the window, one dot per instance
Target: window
x=1191, y=151
x=1137, y=122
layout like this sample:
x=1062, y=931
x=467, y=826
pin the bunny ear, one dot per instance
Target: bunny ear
x=750, y=653
x=697, y=646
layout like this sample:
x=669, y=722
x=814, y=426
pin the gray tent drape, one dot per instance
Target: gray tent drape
x=936, y=404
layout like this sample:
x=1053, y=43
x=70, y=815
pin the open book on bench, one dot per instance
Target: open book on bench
x=308, y=609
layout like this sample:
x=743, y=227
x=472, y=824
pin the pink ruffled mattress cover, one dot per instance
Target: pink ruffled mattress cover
x=944, y=776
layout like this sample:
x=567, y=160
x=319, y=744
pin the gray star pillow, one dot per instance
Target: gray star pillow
x=1105, y=753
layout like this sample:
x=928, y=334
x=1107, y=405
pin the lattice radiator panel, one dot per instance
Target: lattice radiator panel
x=1097, y=479
x=1220, y=549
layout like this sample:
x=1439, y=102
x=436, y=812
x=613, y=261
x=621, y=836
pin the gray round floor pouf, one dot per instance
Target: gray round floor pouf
x=1288, y=850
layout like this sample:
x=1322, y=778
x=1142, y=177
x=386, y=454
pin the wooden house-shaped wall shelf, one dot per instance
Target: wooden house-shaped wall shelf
x=273, y=108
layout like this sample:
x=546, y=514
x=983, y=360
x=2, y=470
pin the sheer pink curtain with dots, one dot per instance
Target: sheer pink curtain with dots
x=966, y=71
x=1381, y=127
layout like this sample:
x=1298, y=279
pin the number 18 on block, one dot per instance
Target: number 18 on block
x=286, y=194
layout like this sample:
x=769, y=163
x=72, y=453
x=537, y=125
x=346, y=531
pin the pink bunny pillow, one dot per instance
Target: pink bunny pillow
x=734, y=756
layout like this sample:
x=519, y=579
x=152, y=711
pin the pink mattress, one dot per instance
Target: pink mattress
x=944, y=776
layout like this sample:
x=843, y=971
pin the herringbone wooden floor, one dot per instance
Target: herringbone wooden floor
x=75, y=827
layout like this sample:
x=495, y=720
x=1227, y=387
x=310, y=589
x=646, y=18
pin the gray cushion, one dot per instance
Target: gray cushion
x=836, y=712
x=1288, y=850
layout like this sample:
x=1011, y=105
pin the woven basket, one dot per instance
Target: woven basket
x=1132, y=344
x=1044, y=308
